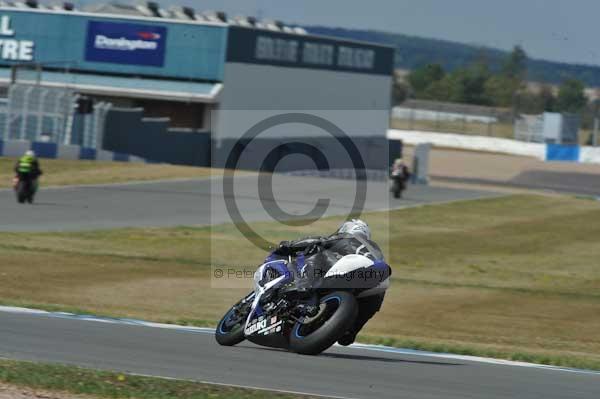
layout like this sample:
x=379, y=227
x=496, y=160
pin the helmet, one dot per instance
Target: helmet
x=355, y=226
x=30, y=153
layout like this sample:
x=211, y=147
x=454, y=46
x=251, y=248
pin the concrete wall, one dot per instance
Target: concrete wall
x=357, y=103
x=548, y=152
x=301, y=153
x=128, y=132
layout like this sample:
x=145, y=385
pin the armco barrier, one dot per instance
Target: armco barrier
x=589, y=155
x=117, y=156
x=15, y=148
x=68, y=152
x=45, y=150
x=87, y=153
x=103, y=155
x=133, y=158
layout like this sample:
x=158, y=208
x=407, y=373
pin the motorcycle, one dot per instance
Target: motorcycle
x=300, y=313
x=398, y=186
x=399, y=176
x=24, y=189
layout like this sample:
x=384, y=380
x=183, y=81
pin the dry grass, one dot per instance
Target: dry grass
x=503, y=276
x=503, y=130
x=64, y=172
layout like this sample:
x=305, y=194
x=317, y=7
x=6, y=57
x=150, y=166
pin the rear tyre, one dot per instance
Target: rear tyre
x=396, y=189
x=337, y=312
x=230, y=330
x=21, y=192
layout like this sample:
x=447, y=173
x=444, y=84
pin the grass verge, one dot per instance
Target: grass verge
x=108, y=384
x=474, y=350
x=58, y=172
x=513, y=277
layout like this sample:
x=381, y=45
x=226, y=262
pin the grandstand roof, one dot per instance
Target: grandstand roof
x=125, y=86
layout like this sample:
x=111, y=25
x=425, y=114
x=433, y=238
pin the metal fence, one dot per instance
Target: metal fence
x=38, y=111
x=453, y=118
x=433, y=116
x=549, y=127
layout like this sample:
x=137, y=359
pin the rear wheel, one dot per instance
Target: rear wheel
x=21, y=192
x=397, y=188
x=230, y=330
x=337, y=312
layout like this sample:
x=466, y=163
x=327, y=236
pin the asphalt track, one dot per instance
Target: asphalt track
x=579, y=183
x=354, y=372
x=200, y=202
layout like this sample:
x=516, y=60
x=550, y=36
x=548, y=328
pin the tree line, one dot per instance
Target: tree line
x=478, y=84
x=414, y=52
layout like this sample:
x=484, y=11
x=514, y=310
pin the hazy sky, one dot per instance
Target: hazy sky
x=560, y=30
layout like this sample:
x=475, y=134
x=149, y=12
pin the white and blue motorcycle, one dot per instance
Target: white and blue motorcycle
x=306, y=315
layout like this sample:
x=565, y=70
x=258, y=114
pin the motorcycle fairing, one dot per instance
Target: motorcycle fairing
x=352, y=272
x=257, y=322
x=348, y=264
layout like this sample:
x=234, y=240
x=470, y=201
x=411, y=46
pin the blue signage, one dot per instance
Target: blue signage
x=124, y=43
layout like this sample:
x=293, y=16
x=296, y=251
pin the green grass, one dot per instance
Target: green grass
x=58, y=172
x=59, y=378
x=513, y=277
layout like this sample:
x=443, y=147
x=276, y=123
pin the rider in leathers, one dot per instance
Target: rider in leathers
x=319, y=254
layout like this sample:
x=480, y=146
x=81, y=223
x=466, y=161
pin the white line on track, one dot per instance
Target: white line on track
x=358, y=346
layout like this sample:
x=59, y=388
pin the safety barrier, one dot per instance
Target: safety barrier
x=16, y=148
x=547, y=152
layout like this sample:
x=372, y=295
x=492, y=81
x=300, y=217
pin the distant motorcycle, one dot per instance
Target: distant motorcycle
x=398, y=186
x=24, y=189
x=399, y=175
x=303, y=320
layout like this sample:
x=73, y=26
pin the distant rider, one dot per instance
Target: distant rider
x=399, y=175
x=319, y=254
x=28, y=168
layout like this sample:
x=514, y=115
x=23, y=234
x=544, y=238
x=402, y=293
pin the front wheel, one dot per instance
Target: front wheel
x=337, y=312
x=230, y=330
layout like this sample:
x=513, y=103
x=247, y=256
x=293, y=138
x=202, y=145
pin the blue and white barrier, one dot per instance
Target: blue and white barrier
x=16, y=148
x=565, y=153
x=546, y=152
x=68, y=152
